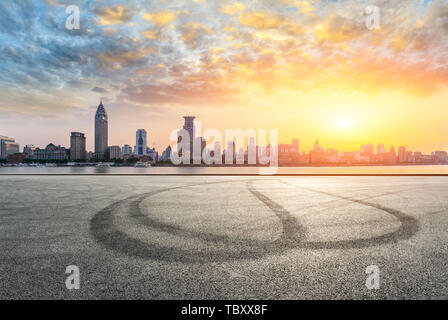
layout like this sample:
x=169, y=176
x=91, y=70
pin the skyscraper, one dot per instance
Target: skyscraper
x=295, y=145
x=8, y=146
x=189, y=127
x=77, y=146
x=140, y=142
x=101, y=125
x=402, y=154
x=380, y=149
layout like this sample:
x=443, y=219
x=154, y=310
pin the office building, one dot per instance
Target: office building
x=140, y=142
x=101, y=131
x=77, y=146
x=189, y=127
x=127, y=149
x=8, y=146
x=402, y=154
x=114, y=153
x=166, y=155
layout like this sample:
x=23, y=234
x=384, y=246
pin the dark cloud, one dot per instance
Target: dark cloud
x=99, y=90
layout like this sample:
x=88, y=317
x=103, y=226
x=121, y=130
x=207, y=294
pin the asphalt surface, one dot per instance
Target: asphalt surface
x=162, y=237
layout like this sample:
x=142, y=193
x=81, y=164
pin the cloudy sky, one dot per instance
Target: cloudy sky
x=311, y=69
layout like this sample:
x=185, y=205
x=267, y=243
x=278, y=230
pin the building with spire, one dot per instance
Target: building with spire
x=140, y=142
x=101, y=131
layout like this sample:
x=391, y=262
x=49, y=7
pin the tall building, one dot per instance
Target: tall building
x=8, y=146
x=317, y=155
x=166, y=155
x=229, y=152
x=189, y=126
x=295, y=145
x=101, y=131
x=77, y=146
x=217, y=149
x=402, y=154
x=140, y=142
x=127, y=149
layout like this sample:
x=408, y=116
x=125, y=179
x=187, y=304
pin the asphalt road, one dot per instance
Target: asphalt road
x=162, y=237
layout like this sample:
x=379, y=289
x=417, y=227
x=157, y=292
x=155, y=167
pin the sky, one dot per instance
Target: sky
x=311, y=69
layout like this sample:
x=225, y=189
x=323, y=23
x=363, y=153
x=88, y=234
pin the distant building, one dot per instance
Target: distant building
x=417, y=156
x=51, y=152
x=16, y=158
x=217, y=149
x=317, y=155
x=409, y=157
x=440, y=156
x=402, y=154
x=230, y=154
x=332, y=156
x=391, y=156
x=367, y=150
x=152, y=153
x=295, y=145
x=28, y=150
x=101, y=132
x=114, y=152
x=288, y=153
x=380, y=149
x=127, y=149
x=140, y=142
x=166, y=154
x=8, y=146
x=77, y=146
x=189, y=127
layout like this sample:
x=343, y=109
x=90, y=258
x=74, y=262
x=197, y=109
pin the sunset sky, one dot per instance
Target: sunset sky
x=311, y=69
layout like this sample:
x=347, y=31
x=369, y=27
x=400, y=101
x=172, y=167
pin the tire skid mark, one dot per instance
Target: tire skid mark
x=408, y=228
x=293, y=234
x=103, y=230
x=292, y=229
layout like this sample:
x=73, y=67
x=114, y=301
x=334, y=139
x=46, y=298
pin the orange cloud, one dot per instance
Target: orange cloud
x=160, y=18
x=113, y=15
x=260, y=20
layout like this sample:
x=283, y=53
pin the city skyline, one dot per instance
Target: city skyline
x=287, y=154
x=312, y=69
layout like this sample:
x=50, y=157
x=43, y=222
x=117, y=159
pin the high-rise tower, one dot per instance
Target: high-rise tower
x=189, y=126
x=77, y=146
x=140, y=142
x=101, y=131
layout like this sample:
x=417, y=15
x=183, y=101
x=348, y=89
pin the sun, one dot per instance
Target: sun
x=343, y=123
